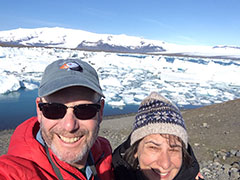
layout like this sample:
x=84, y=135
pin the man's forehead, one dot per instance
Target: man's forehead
x=76, y=92
x=75, y=89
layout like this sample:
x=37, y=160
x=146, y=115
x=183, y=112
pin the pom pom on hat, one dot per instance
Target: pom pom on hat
x=158, y=115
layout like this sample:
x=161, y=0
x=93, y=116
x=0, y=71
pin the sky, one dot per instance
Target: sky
x=185, y=22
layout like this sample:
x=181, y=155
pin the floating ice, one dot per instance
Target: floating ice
x=128, y=78
x=8, y=83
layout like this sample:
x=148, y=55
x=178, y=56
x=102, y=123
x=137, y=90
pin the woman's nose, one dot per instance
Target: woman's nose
x=164, y=160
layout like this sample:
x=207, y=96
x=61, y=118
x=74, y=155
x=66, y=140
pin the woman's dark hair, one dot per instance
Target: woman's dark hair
x=172, y=139
x=130, y=155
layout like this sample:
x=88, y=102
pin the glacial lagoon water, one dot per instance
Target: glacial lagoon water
x=17, y=107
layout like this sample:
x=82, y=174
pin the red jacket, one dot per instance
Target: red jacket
x=27, y=159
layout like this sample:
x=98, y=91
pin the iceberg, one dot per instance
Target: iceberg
x=8, y=83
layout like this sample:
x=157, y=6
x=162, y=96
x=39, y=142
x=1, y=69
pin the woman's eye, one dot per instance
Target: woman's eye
x=175, y=149
x=153, y=147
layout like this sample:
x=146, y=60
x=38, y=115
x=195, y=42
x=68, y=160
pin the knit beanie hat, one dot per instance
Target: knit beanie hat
x=158, y=115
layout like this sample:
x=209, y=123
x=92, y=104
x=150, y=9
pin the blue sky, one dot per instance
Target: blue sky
x=188, y=22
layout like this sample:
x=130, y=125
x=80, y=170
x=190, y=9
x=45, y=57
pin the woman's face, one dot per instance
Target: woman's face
x=157, y=158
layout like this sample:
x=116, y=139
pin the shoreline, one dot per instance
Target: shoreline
x=117, y=116
x=198, y=121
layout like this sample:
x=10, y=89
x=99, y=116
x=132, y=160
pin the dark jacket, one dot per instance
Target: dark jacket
x=124, y=171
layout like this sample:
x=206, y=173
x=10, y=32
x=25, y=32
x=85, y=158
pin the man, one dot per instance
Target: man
x=62, y=141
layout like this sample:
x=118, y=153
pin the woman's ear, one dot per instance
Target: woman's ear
x=136, y=155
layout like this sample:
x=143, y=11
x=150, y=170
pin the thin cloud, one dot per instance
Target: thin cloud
x=38, y=22
x=159, y=23
x=98, y=13
x=186, y=38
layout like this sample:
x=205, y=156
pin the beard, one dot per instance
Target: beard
x=68, y=155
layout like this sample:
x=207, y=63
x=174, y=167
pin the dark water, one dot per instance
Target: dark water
x=18, y=106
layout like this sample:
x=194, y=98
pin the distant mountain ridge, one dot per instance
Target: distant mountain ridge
x=224, y=47
x=101, y=46
x=78, y=39
x=57, y=37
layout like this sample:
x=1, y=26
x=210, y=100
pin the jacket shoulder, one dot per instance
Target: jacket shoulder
x=102, y=144
x=12, y=167
x=123, y=170
x=102, y=154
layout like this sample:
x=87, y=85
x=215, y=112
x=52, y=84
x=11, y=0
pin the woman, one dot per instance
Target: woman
x=157, y=147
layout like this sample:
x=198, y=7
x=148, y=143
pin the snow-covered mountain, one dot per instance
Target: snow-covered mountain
x=78, y=39
x=83, y=40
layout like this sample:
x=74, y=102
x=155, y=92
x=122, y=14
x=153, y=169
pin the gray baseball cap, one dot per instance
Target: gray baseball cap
x=67, y=73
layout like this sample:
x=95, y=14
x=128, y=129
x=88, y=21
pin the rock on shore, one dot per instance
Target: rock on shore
x=213, y=133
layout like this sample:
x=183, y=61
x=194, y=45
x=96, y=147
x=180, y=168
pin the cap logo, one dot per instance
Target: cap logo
x=72, y=66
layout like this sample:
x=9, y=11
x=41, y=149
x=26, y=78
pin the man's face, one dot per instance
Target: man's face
x=70, y=138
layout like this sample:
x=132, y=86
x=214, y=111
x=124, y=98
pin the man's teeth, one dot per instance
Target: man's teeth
x=69, y=140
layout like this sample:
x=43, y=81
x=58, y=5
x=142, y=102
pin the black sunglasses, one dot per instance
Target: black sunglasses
x=58, y=110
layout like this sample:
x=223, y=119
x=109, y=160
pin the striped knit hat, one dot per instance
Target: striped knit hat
x=158, y=115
